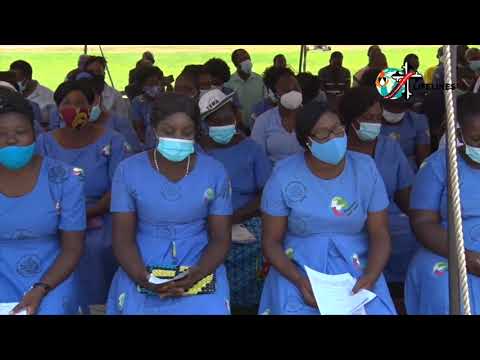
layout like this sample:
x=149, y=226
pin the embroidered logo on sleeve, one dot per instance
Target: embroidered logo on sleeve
x=440, y=268
x=208, y=195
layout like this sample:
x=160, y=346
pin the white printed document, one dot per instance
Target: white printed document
x=334, y=296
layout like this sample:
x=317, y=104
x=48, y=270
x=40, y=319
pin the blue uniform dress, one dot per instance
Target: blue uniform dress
x=140, y=112
x=115, y=122
x=249, y=169
x=426, y=285
x=326, y=227
x=98, y=162
x=171, y=231
x=270, y=134
x=411, y=131
x=397, y=175
x=29, y=236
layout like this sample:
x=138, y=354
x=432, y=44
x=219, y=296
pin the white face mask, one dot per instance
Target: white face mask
x=246, y=66
x=291, y=100
x=393, y=118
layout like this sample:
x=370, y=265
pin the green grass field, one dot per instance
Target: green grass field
x=50, y=65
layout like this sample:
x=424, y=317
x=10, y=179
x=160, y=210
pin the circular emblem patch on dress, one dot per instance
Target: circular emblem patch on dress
x=295, y=191
x=29, y=265
x=208, y=195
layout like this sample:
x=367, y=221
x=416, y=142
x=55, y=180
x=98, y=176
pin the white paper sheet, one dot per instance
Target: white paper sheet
x=240, y=234
x=158, y=281
x=334, y=296
x=5, y=309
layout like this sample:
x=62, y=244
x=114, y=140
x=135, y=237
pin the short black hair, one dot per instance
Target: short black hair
x=82, y=85
x=94, y=59
x=336, y=54
x=96, y=83
x=371, y=48
x=307, y=118
x=218, y=68
x=373, y=57
x=277, y=56
x=12, y=102
x=149, y=56
x=235, y=52
x=468, y=105
x=145, y=72
x=355, y=102
x=369, y=77
x=23, y=66
x=310, y=85
x=170, y=103
x=408, y=57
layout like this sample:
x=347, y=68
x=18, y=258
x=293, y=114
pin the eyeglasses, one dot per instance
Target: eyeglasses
x=325, y=134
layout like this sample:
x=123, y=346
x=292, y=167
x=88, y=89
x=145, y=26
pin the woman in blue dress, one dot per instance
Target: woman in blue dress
x=426, y=285
x=361, y=113
x=171, y=212
x=103, y=117
x=149, y=79
x=249, y=169
x=95, y=151
x=42, y=212
x=409, y=128
x=274, y=130
x=321, y=211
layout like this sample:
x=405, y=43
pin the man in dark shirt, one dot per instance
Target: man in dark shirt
x=334, y=78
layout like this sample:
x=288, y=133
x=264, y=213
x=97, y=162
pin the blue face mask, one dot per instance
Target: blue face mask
x=95, y=113
x=222, y=134
x=473, y=153
x=16, y=157
x=331, y=152
x=175, y=150
x=368, y=131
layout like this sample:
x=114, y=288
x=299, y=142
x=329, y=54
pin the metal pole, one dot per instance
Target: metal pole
x=85, y=47
x=305, y=58
x=106, y=68
x=301, y=59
